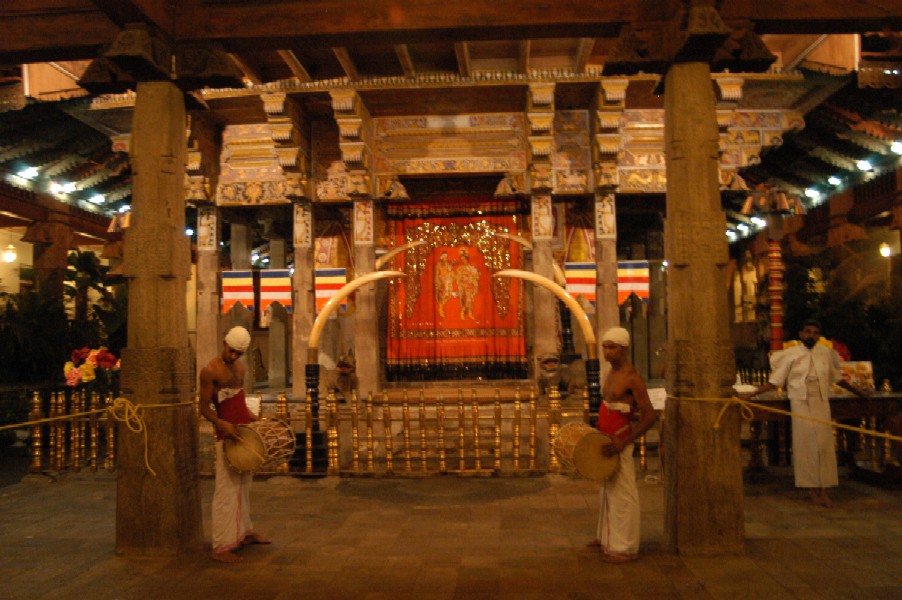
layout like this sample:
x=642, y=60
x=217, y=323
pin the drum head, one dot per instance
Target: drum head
x=589, y=461
x=244, y=455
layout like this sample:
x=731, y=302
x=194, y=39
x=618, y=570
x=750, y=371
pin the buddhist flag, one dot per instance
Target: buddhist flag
x=275, y=286
x=327, y=283
x=580, y=278
x=632, y=278
x=237, y=288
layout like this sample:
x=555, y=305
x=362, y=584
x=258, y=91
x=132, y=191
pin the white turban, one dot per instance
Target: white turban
x=617, y=335
x=238, y=339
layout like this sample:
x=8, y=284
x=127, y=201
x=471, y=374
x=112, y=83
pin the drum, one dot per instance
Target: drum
x=578, y=447
x=261, y=442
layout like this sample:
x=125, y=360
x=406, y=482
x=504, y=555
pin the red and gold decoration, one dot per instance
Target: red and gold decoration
x=450, y=318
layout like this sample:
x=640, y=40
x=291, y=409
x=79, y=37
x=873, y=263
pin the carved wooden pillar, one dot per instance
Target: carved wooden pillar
x=540, y=113
x=208, y=339
x=304, y=306
x=703, y=510
x=278, y=324
x=242, y=245
x=611, y=102
x=158, y=514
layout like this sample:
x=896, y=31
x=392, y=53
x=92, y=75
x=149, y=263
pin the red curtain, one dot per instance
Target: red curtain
x=450, y=318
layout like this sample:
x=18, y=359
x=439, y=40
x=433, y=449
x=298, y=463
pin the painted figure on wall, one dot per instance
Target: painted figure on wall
x=444, y=282
x=467, y=277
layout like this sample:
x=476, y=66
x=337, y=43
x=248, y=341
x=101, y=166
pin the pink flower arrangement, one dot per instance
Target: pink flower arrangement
x=87, y=364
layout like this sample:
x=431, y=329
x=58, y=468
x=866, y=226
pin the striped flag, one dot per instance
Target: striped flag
x=632, y=278
x=237, y=288
x=275, y=286
x=580, y=278
x=327, y=283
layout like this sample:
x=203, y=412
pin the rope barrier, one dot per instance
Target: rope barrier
x=746, y=410
x=122, y=410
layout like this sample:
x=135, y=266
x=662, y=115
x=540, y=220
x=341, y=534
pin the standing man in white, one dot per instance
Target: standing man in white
x=808, y=371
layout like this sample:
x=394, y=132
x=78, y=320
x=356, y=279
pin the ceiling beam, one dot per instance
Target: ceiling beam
x=583, y=52
x=297, y=68
x=523, y=51
x=403, y=53
x=151, y=12
x=462, y=52
x=346, y=62
x=249, y=71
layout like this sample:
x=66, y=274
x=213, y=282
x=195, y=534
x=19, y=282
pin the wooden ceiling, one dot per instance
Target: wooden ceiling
x=317, y=41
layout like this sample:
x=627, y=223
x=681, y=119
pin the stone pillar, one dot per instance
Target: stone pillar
x=607, y=310
x=209, y=339
x=703, y=477
x=158, y=514
x=304, y=306
x=366, y=322
x=278, y=324
x=242, y=244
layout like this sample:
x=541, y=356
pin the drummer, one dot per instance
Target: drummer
x=625, y=394
x=221, y=389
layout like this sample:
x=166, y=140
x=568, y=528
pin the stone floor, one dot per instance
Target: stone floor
x=451, y=538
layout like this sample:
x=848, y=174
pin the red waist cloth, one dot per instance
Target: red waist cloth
x=613, y=422
x=234, y=410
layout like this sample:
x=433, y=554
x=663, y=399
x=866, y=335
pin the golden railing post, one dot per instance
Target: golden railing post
x=110, y=430
x=77, y=431
x=460, y=428
x=369, y=433
x=497, y=465
x=475, y=412
x=440, y=425
x=554, y=420
x=533, y=418
x=95, y=437
x=422, y=415
x=282, y=414
x=355, y=434
x=585, y=405
x=515, y=442
x=643, y=453
x=36, y=414
x=386, y=431
x=308, y=435
x=60, y=450
x=876, y=453
x=405, y=431
x=332, y=432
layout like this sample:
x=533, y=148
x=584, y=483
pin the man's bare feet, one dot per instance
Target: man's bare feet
x=226, y=557
x=820, y=498
x=255, y=538
x=616, y=559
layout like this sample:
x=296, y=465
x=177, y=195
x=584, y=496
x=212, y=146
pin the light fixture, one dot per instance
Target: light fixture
x=97, y=199
x=10, y=254
x=731, y=235
x=759, y=222
x=189, y=231
x=896, y=147
x=885, y=250
x=834, y=180
x=28, y=173
x=864, y=165
x=742, y=227
x=812, y=193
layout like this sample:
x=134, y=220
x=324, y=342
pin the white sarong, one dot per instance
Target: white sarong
x=813, y=449
x=231, y=512
x=618, y=514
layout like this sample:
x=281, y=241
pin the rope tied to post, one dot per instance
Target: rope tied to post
x=122, y=410
x=747, y=410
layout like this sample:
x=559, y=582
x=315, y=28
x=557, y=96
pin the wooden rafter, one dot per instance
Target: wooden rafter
x=249, y=71
x=583, y=52
x=297, y=69
x=403, y=53
x=462, y=51
x=523, y=50
x=346, y=62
